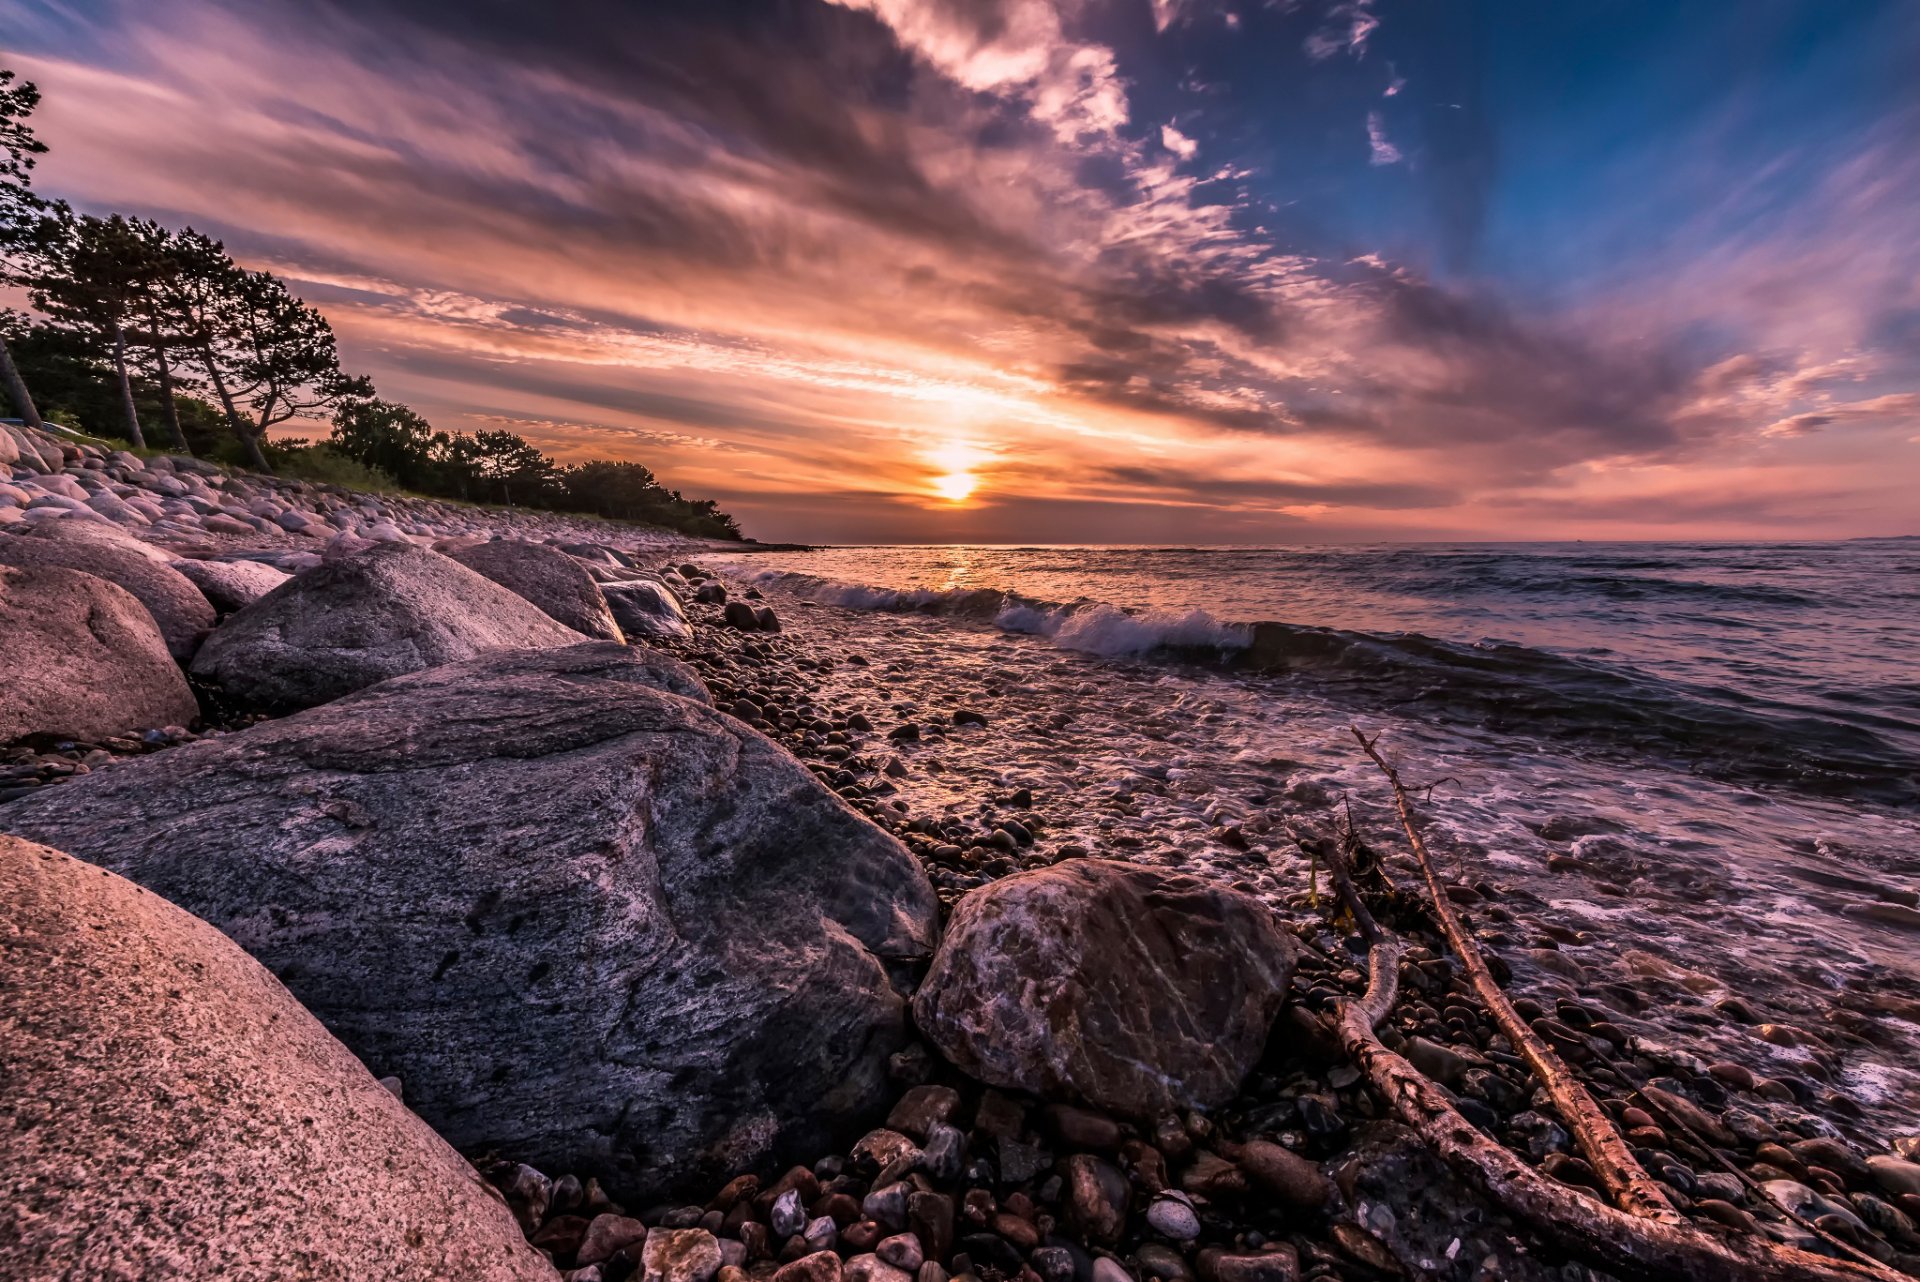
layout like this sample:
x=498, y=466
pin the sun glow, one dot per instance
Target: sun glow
x=955, y=462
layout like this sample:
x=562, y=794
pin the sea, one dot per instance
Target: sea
x=1693, y=768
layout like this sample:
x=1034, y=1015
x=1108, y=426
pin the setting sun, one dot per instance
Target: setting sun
x=955, y=463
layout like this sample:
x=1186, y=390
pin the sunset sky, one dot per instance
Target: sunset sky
x=1095, y=270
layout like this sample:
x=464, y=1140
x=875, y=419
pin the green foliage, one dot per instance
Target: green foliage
x=21, y=211
x=629, y=492
x=389, y=437
x=112, y=289
x=501, y=467
x=323, y=463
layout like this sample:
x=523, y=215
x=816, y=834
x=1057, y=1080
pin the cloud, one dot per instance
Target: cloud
x=1014, y=47
x=1347, y=28
x=774, y=249
x=1896, y=409
x=1384, y=152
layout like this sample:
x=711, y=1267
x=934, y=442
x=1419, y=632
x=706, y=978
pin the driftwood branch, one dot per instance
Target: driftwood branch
x=1660, y=1250
x=1606, y=1151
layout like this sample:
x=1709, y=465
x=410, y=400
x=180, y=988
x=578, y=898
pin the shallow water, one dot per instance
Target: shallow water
x=1714, y=745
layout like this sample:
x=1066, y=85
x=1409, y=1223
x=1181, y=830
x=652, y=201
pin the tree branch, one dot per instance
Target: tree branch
x=1620, y=1172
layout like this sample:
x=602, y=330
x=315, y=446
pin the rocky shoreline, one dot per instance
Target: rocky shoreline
x=660, y=903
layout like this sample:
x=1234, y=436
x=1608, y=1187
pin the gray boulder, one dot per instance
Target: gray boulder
x=363, y=617
x=548, y=578
x=647, y=610
x=1137, y=989
x=589, y=920
x=168, y=1110
x=84, y=659
x=100, y=549
x=232, y=585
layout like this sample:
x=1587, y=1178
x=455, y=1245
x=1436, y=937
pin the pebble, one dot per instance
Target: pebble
x=1279, y=1265
x=821, y=1266
x=788, y=1216
x=607, y=1234
x=903, y=1251
x=1157, y=1261
x=528, y=1194
x=871, y=1268
x=1285, y=1175
x=1096, y=1197
x=1895, y=1176
x=923, y=1107
x=1172, y=1215
x=888, y=1205
x=680, y=1255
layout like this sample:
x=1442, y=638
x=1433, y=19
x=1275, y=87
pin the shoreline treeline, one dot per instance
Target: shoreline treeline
x=158, y=337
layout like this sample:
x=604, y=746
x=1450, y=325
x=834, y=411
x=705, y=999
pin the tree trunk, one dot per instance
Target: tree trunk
x=168, y=409
x=17, y=388
x=220, y=389
x=256, y=456
x=242, y=431
x=126, y=389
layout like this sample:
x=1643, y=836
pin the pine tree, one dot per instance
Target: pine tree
x=21, y=214
x=90, y=277
x=285, y=359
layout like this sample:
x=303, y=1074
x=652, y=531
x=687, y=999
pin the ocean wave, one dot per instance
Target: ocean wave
x=1499, y=686
x=1507, y=687
x=1093, y=627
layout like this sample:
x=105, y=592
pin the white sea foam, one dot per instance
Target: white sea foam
x=1093, y=628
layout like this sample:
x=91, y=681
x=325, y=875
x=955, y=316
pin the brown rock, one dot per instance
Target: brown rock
x=871, y=1268
x=821, y=1266
x=1685, y=1110
x=547, y=578
x=350, y=623
x=1279, y=1265
x=1097, y=1197
x=170, y=1111
x=1137, y=989
x=680, y=1255
x=1211, y=1175
x=83, y=659
x=882, y=1147
x=1896, y=1177
x=231, y=585
x=1734, y=1075
x=1726, y=1213
x=1285, y=1175
x=1835, y=1156
x=1015, y=1230
x=93, y=547
x=999, y=1115
x=561, y=1235
x=1083, y=1128
x=922, y=1108
x=930, y=1217
x=568, y=905
x=607, y=1234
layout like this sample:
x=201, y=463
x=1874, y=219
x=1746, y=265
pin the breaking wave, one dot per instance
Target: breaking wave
x=1498, y=686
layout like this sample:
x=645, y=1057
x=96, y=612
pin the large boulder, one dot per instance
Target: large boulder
x=102, y=550
x=591, y=921
x=360, y=618
x=1137, y=989
x=232, y=585
x=168, y=1110
x=647, y=610
x=84, y=659
x=549, y=578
